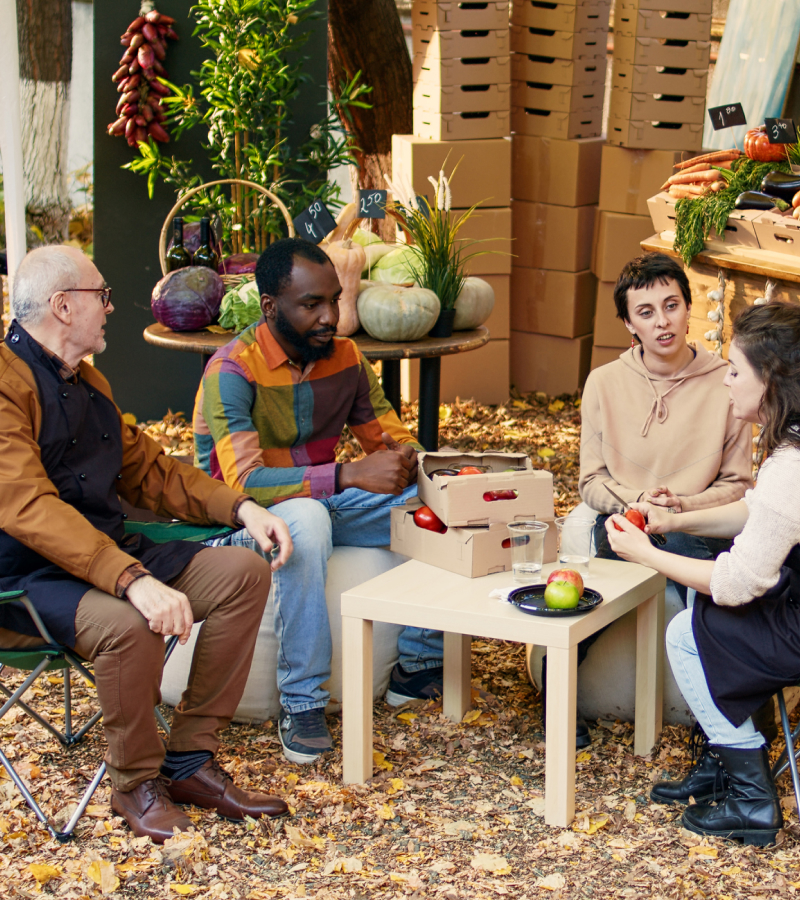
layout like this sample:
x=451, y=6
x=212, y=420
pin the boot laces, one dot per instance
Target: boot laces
x=698, y=742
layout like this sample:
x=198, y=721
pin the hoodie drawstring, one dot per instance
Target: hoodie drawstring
x=658, y=408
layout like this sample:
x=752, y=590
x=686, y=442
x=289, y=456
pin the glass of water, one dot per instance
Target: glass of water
x=574, y=543
x=527, y=550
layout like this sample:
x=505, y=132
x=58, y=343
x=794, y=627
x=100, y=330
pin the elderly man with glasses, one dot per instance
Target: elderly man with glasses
x=66, y=458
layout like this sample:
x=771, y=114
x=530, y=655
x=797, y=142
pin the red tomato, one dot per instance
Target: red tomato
x=471, y=470
x=425, y=517
x=635, y=518
x=499, y=495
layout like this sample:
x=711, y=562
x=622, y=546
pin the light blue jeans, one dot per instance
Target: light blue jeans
x=354, y=518
x=691, y=679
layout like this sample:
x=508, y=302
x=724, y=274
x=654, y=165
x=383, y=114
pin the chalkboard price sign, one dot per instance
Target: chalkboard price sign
x=314, y=223
x=781, y=131
x=372, y=204
x=727, y=116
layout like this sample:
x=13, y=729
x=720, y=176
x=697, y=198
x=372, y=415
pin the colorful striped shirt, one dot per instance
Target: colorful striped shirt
x=267, y=428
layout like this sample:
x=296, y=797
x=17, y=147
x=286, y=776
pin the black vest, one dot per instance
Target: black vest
x=81, y=451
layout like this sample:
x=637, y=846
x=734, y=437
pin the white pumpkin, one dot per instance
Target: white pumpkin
x=390, y=312
x=474, y=304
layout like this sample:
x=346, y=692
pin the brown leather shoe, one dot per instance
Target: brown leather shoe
x=149, y=811
x=211, y=787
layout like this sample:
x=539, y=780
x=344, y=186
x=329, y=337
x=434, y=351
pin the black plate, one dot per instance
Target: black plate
x=530, y=599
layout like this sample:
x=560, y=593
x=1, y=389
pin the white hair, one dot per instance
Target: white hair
x=41, y=274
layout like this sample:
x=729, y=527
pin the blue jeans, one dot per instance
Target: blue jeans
x=691, y=679
x=354, y=518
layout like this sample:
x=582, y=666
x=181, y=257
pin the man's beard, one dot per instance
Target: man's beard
x=309, y=352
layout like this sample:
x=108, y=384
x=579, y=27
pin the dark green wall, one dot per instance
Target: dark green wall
x=146, y=380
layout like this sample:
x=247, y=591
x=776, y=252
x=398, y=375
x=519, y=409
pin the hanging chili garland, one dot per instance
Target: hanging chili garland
x=137, y=79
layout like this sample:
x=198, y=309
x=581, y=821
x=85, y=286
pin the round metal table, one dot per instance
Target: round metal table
x=429, y=351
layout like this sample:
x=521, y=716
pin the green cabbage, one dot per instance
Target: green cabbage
x=396, y=267
x=241, y=307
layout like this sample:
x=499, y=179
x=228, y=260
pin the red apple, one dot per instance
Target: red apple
x=567, y=575
x=635, y=518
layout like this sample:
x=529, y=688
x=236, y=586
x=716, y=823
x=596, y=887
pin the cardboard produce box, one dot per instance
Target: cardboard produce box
x=559, y=44
x=687, y=6
x=565, y=126
x=564, y=98
x=630, y=177
x=552, y=237
x=555, y=365
x=464, y=126
x=452, y=15
x=659, y=80
x=657, y=107
x=655, y=135
x=632, y=22
x=778, y=232
x=435, y=44
x=473, y=552
x=464, y=98
x=549, y=170
x=546, y=301
x=647, y=51
x=462, y=500
x=453, y=72
x=561, y=16
x=601, y=356
x=483, y=174
x=617, y=239
x=548, y=70
x=490, y=229
x=609, y=331
x=481, y=375
x=739, y=231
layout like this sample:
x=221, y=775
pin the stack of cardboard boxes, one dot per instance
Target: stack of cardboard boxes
x=661, y=57
x=558, y=67
x=462, y=83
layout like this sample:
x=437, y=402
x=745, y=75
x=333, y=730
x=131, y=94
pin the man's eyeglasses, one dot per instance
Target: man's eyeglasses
x=105, y=294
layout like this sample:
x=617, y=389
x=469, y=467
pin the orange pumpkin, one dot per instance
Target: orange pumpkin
x=758, y=147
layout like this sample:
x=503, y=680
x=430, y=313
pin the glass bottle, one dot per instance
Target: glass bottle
x=177, y=255
x=205, y=255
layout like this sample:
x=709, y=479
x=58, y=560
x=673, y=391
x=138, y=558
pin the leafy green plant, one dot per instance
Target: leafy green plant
x=243, y=96
x=695, y=219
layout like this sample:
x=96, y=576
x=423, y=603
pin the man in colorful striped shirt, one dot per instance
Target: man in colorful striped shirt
x=269, y=413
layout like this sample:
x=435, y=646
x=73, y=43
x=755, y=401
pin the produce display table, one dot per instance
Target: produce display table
x=424, y=596
x=428, y=350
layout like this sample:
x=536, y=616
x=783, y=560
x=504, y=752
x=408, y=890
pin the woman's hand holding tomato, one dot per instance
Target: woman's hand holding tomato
x=628, y=540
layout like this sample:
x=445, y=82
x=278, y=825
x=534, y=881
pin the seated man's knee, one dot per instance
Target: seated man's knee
x=309, y=524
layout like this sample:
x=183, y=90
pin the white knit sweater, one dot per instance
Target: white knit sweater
x=753, y=564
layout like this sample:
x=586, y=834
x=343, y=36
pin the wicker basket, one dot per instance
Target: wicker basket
x=230, y=280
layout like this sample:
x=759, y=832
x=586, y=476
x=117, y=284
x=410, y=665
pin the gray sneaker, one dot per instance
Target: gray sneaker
x=304, y=735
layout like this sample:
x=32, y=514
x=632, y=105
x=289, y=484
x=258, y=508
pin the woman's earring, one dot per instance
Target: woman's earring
x=633, y=342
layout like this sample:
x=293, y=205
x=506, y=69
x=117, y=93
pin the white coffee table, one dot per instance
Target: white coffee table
x=427, y=597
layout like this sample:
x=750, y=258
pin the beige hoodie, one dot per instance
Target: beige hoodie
x=641, y=430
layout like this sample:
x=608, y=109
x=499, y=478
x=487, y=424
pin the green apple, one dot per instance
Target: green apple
x=561, y=595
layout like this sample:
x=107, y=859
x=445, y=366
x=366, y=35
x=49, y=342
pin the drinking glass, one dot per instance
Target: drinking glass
x=574, y=543
x=527, y=550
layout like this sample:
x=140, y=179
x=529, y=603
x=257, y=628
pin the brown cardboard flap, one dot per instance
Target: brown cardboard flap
x=659, y=80
x=461, y=98
x=473, y=70
x=549, y=170
x=461, y=126
x=566, y=126
x=657, y=23
x=548, y=236
x=559, y=44
x=630, y=176
x=655, y=135
x=551, y=70
x=448, y=15
x=562, y=16
x=657, y=107
x=435, y=44
x=649, y=51
x=546, y=301
x=563, y=98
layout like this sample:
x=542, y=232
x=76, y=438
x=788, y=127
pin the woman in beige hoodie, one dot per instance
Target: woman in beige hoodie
x=657, y=426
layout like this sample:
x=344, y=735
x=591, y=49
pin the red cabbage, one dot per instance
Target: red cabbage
x=188, y=299
x=238, y=264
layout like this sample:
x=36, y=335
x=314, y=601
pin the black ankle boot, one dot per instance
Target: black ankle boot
x=750, y=810
x=706, y=779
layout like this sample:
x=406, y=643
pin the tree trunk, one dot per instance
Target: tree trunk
x=366, y=36
x=45, y=63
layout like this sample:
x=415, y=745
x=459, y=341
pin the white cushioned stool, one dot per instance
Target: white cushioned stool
x=347, y=567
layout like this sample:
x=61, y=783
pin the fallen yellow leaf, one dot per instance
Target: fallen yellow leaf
x=556, y=406
x=395, y=785
x=386, y=812
x=102, y=874
x=553, y=882
x=43, y=873
x=292, y=778
x=298, y=838
x=705, y=852
x=546, y=452
x=380, y=761
x=472, y=715
x=345, y=865
x=185, y=889
x=408, y=717
x=491, y=862
x=516, y=781
x=591, y=824
x=583, y=757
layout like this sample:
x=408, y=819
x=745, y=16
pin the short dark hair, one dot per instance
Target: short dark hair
x=769, y=337
x=645, y=271
x=274, y=266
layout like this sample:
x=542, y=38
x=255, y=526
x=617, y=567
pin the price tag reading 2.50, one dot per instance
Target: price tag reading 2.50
x=781, y=131
x=314, y=223
x=372, y=204
x=727, y=116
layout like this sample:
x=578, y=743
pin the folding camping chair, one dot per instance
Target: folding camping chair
x=37, y=660
x=790, y=753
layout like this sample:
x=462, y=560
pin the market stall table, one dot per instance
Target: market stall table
x=428, y=350
x=424, y=596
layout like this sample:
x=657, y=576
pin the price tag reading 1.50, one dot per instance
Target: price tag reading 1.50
x=781, y=131
x=727, y=116
x=314, y=223
x=372, y=204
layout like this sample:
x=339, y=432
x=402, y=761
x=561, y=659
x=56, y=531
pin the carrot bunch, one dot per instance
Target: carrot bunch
x=700, y=175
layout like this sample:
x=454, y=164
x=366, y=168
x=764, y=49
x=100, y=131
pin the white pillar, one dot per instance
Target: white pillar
x=11, y=136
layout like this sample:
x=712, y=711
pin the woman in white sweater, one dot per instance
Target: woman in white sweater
x=741, y=644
